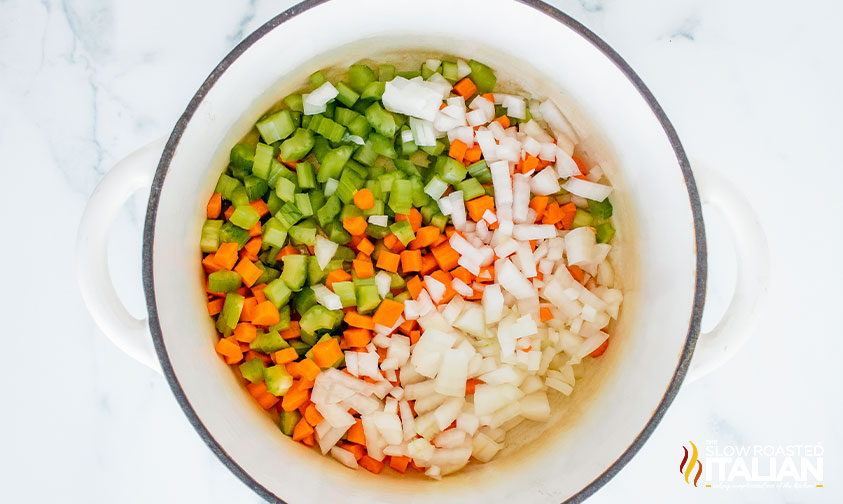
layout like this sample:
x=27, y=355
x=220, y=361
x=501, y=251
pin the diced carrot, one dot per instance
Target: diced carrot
x=294, y=398
x=581, y=165
x=228, y=212
x=251, y=354
x=552, y=213
x=465, y=88
x=227, y=347
x=545, y=314
x=309, y=440
x=415, y=218
x=414, y=286
x=577, y=273
x=268, y=400
x=411, y=260
x=473, y=154
x=530, y=163
x=328, y=352
x=338, y=275
x=489, y=96
x=354, y=319
x=286, y=355
x=288, y=250
x=265, y=314
x=457, y=150
x=214, y=206
x=470, y=384
x=355, y=225
x=257, y=291
x=248, y=311
x=357, y=450
x=302, y=430
x=292, y=368
x=503, y=121
x=209, y=264
x=357, y=337
x=243, y=291
x=226, y=255
x=399, y=463
x=539, y=204
x=256, y=389
x=414, y=337
x=442, y=238
x=245, y=332
x=569, y=211
x=477, y=207
x=393, y=243
x=428, y=264
x=446, y=257
x=388, y=312
x=601, y=349
x=425, y=236
x=445, y=278
x=308, y=369
x=463, y=274
x=312, y=415
x=407, y=327
x=365, y=246
x=248, y=271
x=292, y=332
x=364, y=199
x=260, y=205
x=363, y=268
x=388, y=261
x=252, y=248
x=215, y=306
x=355, y=433
x=370, y=464
x=255, y=230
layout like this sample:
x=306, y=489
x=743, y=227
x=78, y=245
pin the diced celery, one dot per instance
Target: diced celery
x=229, y=233
x=268, y=275
x=435, y=150
x=349, y=183
x=303, y=234
x=366, y=154
x=231, y=309
x=294, y=272
x=407, y=167
x=224, y=281
x=263, y=158
x=449, y=71
x=303, y=204
x=239, y=197
x=274, y=233
x=367, y=298
x=303, y=300
x=321, y=146
x=288, y=215
x=327, y=212
x=360, y=127
x=242, y=156
x=400, y=197
x=450, y=170
x=396, y=281
x=305, y=175
x=317, y=198
x=404, y=296
x=381, y=120
x=346, y=96
x=480, y=171
x=420, y=198
x=377, y=208
x=470, y=188
x=295, y=102
x=297, y=146
x=344, y=116
x=600, y=209
x=359, y=76
x=252, y=370
x=382, y=145
x=410, y=74
x=435, y=187
x=317, y=318
x=277, y=126
x=210, y=240
x=345, y=290
x=605, y=232
x=283, y=320
x=386, y=73
x=269, y=342
x=288, y=420
x=482, y=76
x=439, y=221
x=226, y=185
x=286, y=190
x=374, y=91
x=317, y=79
x=300, y=346
x=338, y=234
x=349, y=211
x=334, y=162
x=403, y=230
x=255, y=186
x=377, y=232
x=582, y=218
x=278, y=292
x=245, y=217
x=278, y=380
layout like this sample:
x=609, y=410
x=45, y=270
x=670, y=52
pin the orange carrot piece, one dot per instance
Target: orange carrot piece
x=214, y=206
x=371, y=464
x=312, y=415
x=457, y=150
x=470, y=385
x=539, y=204
x=581, y=165
x=414, y=337
x=425, y=236
x=399, y=463
x=569, y=211
x=411, y=260
x=257, y=291
x=445, y=278
x=248, y=271
x=393, y=243
x=363, y=268
x=577, y=273
x=357, y=337
x=530, y=163
x=428, y=264
x=503, y=121
x=226, y=255
x=228, y=212
x=265, y=314
x=253, y=246
x=545, y=314
x=294, y=398
x=446, y=257
x=227, y=347
x=215, y=306
x=354, y=319
x=473, y=154
x=364, y=199
x=268, y=400
x=338, y=275
x=260, y=205
x=415, y=218
x=388, y=312
x=355, y=433
x=302, y=430
x=288, y=250
x=388, y=261
x=365, y=246
x=286, y=355
x=245, y=332
x=477, y=207
x=255, y=230
x=463, y=274
x=601, y=349
x=328, y=352
x=209, y=264
x=292, y=332
x=308, y=369
x=465, y=88
x=414, y=286
x=243, y=291
x=355, y=449
x=552, y=213
x=256, y=389
x=251, y=354
x=248, y=311
x=407, y=327
x=355, y=225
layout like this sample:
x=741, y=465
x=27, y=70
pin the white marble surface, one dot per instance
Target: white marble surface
x=751, y=86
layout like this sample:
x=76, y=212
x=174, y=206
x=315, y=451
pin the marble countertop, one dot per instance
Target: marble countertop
x=751, y=86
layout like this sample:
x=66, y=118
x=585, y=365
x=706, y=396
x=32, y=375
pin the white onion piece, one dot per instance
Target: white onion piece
x=527, y=232
x=382, y=281
x=587, y=189
x=521, y=197
x=490, y=398
x=532, y=129
x=515, y=106
x=450, y=438
x=502, y=183
x=471, y=320
x=389, y=426
x=423, y=133
x=326, y=298
x=457, y=209
x=511, y=279
x=492, y=303
x=579, y=245
x=316, y=102
x=435, y=288
x=545, y=183
x=486, y=140
x=484, y=448
x=344, y=456
x=378, y=220
x=414, y=99
x=408, y=424
x=448, y=412
x=554, y=118
x=463, y=69
x=324, y=251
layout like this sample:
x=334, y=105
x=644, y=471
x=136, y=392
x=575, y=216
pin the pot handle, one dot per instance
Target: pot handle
x=717, y=346
x=132, y=173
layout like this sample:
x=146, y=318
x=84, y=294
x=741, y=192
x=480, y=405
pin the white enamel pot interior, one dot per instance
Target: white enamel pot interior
x=660, y=252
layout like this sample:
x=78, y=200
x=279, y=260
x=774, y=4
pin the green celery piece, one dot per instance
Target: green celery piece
x=239, y=196
x=403, y=230
x=449, y=71
x=231, y=309
x=297, y=146
x=344, y=254
x=268, y=275
x=229, y=233
x=362, y=281
x=377, y=208
x=374, y=91
x=366, y=154
x=331, y=130
x=295, y=102
x=605, y=232
x=303, y=300
x=309, y=339
x=288, y=420
x=224, y=281
x=314, y=272
x=367, y=298
x=277, y=126
x=400, y=197
x=349, y=183
x=226, y=185
x=274, y=233
x=300, y=346
x=345, y=116
x=338, y=234
x=382, y=145
x=377, y=232
x=482, y=76
x=283, y=321
x=278, y=292
x=346, y=96
x=426, y=71
x=450, y=170
x=360, y=126
x=359, y=76
x=262, y=159
x=345, y=290
x=404, y=296
x=480, y=171
x=278, y=380
x=252, y=370
x=396, y=281
x=255, y=186
x=582, y=218
x=386, y=73
x=303, y=204
x=381, y=120
x=327, y=212
x=317, y=198
x=317, y=79
x=305, y=175
x=317, y=318
x=294, y=272
x=268, y=342
x=313, y=122
x=245, y=217
x=334, y=162
x=435, y=187
x=288, y=215
x=407, y=166
x=302, y=234
x=321, y=147
x=277, y=171
x=410, y=74
x=600, y=209
x=286, y=190
x=242, y=156
x=420, y=198
x=439, y=221
x=210, y=240
x=471, y=188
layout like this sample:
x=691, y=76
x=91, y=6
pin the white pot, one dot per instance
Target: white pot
x=660, y=253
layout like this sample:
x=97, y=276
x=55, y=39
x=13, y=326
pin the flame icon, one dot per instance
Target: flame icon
x=690, y=464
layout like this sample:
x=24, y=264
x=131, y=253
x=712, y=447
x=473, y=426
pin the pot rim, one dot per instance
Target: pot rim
x=556, y=14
